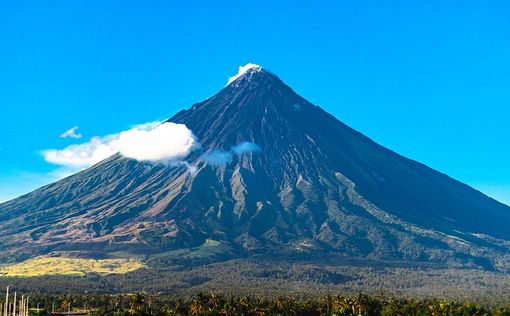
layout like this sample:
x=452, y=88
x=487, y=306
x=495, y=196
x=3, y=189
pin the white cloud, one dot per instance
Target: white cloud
x=146, y=142
x=222, y=157
x=245, y=147
x=81, y=155
x=218, y=157
x=71, y=133
x=167, y=141
x=242, y=70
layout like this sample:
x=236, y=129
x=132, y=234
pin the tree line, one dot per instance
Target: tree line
x=140, y=304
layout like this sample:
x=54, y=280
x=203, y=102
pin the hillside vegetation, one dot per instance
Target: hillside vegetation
x=42, y=266
x=272, y=278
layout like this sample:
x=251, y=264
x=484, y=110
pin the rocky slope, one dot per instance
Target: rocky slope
x=275, y=175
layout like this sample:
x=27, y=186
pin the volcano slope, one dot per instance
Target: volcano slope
x=274, y=176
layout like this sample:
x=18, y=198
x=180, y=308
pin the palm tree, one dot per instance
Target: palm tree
x=259, y=307
x=136, y=304
x=215, y=301
x=229, y=307
x=326, y=305
x=198, y=304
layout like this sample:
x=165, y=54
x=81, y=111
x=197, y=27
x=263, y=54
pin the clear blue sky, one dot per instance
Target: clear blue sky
x=428, y=79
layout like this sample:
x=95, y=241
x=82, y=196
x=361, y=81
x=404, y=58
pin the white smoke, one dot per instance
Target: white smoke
x=242, y=70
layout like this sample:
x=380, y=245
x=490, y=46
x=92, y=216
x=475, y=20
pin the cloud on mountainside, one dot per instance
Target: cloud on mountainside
x=245, y=147
x=71, y=133
x=148, y=142
x=221, y=157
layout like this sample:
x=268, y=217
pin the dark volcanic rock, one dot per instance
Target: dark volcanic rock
x=274, y=175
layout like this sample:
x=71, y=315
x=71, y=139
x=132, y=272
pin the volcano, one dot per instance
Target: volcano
x=275, y=176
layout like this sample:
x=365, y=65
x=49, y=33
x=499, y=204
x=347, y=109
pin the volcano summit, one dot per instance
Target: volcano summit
x=274, y=175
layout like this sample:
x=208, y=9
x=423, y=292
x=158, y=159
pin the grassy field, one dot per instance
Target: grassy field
x=43, y=266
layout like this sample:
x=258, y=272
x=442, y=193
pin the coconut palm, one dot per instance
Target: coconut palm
x=136, y=304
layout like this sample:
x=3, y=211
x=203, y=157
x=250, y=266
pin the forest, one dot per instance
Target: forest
x=273, y=278
x=277, y=287
x=213, y=304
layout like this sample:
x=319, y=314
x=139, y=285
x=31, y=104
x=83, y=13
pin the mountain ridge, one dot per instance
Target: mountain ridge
x=314, y=185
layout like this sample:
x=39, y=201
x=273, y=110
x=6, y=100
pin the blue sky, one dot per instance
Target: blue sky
x=428, y=79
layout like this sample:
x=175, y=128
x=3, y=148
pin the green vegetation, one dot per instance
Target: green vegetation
x=290, y=278
x=41, y=266
x=213, y=304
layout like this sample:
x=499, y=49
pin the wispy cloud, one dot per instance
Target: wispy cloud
x=218, y=157
x=222, y=157
x=146, y=142
x=71, y=133
x=81, y=155
x=245, y=147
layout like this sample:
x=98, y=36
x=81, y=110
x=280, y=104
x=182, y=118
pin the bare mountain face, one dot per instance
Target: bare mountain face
x=275, y=175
